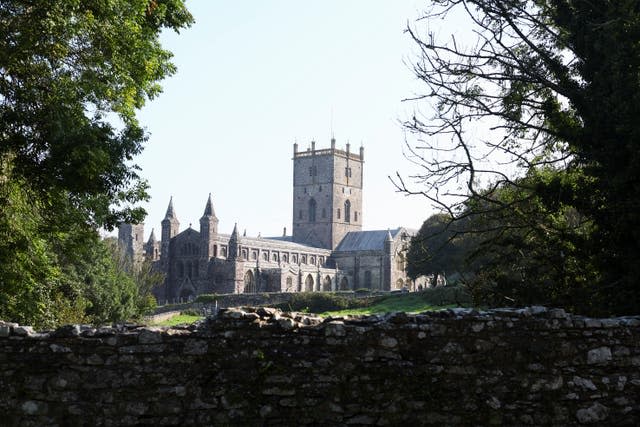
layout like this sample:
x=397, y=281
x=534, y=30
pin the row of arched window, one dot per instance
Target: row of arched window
x=187, y=268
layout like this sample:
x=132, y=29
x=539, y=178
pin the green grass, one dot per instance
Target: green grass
x=179, y=319
x=410, y=303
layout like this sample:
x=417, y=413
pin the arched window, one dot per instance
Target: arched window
x=289, y=284
x=312, y=210
x=338, y=213
x=326, y=284
x=344, y=284
x=249, y=283
x=347, y=211
x=285, y=258
x=308, y=283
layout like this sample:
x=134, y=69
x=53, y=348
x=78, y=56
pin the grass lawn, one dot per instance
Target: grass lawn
x=409, y=303
x=180, y=319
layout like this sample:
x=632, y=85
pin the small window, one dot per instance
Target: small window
x=294, y=259
x=310, y=172
x=347, y=172
x=303, y=260
x=321, y=260
x=274, y=257
x=285, y=258
x=300, y=214
x=320, y=189
x=254, y=255
x=355, y=216
x=265, y=256
x=338, y=213
x=312, y=260
x=244, y=254
x=305, y=190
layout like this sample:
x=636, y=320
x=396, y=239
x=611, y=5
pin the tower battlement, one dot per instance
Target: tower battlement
x=327, y=194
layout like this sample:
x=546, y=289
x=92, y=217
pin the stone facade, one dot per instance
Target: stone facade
x=327, y=250
x=258, y=367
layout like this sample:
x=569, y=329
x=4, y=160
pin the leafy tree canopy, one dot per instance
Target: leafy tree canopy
x=73, y=73
x=556, y=156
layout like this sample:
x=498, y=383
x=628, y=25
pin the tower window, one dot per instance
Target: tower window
x=324, y=213
x=338, y=213
x=320, y=189
x=347, y=172
x=355, y=216
x=300, y=214
x=347, y=211
x=312, y=210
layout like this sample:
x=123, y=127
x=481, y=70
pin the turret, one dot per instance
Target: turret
x=152, y=247
x=209, y=229
x=170, y=228
x=234, y=246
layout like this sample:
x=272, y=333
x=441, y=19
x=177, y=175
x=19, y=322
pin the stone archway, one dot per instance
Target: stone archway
x=249, y=283
x=308, y=283
x=344, y=284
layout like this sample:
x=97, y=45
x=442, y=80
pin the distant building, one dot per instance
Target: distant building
x=328, y=250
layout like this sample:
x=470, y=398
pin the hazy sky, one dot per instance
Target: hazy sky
x=256, y=76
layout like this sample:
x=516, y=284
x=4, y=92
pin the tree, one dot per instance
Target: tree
x=557, y=109
x=72, y=75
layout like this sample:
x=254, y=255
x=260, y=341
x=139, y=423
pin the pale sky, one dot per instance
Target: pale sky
x=256, y=76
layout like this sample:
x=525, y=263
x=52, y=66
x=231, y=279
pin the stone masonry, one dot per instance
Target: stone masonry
x=259, y=366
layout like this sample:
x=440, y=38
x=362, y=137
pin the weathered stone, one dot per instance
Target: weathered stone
x=593, y=414
x=599, y=355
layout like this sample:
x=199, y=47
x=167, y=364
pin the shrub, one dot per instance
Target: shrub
x=207, y=298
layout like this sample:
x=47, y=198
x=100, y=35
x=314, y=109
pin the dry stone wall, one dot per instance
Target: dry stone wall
x=259, y=366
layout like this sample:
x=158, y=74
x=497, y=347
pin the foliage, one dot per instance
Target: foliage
x=318, y=302
x=206, y=298
x=533, y=143
x=72, y=75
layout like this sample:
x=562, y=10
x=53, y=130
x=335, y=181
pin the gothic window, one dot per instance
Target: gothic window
x=294, y=259
x=355, y=216
x=312, y=210
x=289, y=287
x=312, y=260
x=254, y=255
x=308, y=283
x=400, y=262
x=285, y=258
x=304, y=259
x=326, y=284
x=347, y=211
x=338, y=213
x=249, y=283
x=223, y=252
x=265, y=256
x=347, y=172
x=274, y=257
x=215, y=251
x=344, y=284
x=321, y=260
x=244, y=254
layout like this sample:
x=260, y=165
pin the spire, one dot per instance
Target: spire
x=152, y=237
x=234, y=233
x=208, y=209
x=170, y=212
x=389, y=237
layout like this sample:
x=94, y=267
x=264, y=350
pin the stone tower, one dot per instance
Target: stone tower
x=170, y=228
x=327, y=194
x=130, y=239
x=209, y=230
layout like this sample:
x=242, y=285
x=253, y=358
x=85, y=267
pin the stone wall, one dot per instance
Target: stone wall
x=262, y=367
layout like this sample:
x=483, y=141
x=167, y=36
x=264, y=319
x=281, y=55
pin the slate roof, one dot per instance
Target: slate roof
x=372, y=240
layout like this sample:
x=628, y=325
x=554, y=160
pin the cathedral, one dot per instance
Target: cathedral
x=326, y=251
